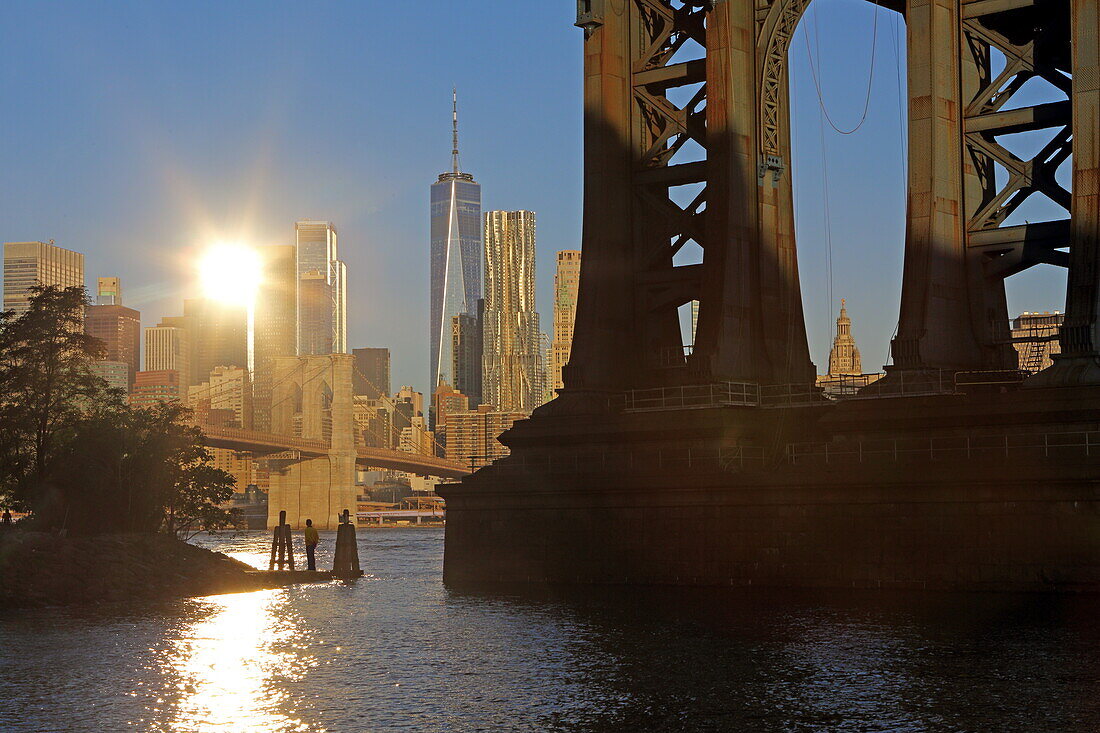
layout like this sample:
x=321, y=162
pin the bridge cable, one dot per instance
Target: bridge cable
x=817, y=81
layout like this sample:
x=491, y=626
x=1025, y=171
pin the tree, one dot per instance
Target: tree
x=73, y=452
x=45, y=381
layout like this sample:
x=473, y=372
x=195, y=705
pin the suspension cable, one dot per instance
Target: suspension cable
x=817, y=81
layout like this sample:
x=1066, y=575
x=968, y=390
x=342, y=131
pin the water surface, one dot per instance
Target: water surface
x=399, y=651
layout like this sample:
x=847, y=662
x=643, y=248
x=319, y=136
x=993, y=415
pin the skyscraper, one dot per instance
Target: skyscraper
x=167, y=349
x=219, y=336
x=844, y=359
x=566, y=281
x=27, y=264
x=371, y=375
x=119, y=328
x=322, y=301
x=455, y=257
x=108, y=291
x=466, y=347
x=511, y=374
x=276, y=324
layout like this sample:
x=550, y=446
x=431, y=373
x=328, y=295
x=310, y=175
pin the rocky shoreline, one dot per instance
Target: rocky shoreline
x=42, y=569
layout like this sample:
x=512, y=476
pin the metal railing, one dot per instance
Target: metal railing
x=644, y=461
x=1032, y=446
x=718, y=394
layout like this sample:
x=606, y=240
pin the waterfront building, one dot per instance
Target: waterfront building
x=472, y=435
x=566, y=283
x=27, y=264
x=455, y=258
x=116, y=374
x=241, y=465
x=227, y=389
x=1035, y=336
x=152, y=386
x=322, y=290
x=275, y=329
x=511, y=360
x=168, y=348
x=371, y=375
x=108, y=291
x=119, y=328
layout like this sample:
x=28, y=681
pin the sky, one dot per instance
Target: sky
x=138, y=133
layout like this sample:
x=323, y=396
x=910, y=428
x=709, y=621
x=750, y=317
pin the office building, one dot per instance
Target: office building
x=224, y=398
x=108, y=291
x=275, y=325
x=466, y=348
x=511, y=361
x=845, y=377
x=152, y=386
x=27, y=264
x=446, y=399
x=566, y=283
x=322, y=290
x=167, y=348
x=371, y=373
x=472, y=436
x=417, y=438
x=456, y=254
x=218, y=336
x=373, y=421
x=116, y=374
x=1035, y=336
x=844, y=359
x=119, y=328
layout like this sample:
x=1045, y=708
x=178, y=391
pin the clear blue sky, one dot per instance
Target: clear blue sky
x=137, y=132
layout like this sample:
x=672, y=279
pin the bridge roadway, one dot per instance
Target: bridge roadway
x=267, y=443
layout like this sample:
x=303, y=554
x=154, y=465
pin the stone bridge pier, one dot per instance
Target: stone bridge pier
x=311, y=398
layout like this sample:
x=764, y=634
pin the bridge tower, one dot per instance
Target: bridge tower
x=664, y=461
x=661, y=174
x=311, y=398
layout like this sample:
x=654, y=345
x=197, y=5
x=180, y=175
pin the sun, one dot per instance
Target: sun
x=229, y=273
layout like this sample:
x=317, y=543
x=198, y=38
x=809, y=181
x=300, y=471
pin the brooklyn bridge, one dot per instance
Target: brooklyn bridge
x=719, y=462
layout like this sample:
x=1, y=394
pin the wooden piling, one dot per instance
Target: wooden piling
x=282, y=546
x=345, y=562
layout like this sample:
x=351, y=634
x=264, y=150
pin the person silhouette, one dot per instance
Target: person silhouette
x=312, y=538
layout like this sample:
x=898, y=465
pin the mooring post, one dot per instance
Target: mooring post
x=345, y=563
x=288, y=538
x=276, y=544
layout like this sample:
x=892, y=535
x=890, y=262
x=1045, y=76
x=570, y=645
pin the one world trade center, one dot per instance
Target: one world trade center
x=456, y=257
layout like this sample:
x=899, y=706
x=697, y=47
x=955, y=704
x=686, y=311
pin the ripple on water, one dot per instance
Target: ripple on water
x=398, y=651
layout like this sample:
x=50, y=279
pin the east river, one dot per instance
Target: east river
x=399, y=651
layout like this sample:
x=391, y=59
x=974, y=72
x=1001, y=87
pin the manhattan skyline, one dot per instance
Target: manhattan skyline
x=137, y=148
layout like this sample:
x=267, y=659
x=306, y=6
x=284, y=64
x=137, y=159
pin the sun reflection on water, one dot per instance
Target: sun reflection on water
x=231, y=663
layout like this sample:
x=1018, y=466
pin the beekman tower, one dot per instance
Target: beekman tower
x=456, y=256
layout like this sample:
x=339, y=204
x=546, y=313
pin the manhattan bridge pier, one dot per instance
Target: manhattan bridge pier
x=722, y=464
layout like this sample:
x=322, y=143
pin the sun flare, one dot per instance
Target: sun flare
x=230, y=273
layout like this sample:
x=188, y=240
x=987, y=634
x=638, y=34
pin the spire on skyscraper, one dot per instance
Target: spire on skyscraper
x=454, y=129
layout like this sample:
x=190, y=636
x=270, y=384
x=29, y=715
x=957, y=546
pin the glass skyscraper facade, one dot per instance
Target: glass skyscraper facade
x=322, y=290
x=455, y=259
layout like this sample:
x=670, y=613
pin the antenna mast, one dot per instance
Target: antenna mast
x=454, y=128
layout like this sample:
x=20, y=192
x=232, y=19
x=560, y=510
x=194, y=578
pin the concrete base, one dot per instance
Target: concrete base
x=973, y=516
x=318, y=489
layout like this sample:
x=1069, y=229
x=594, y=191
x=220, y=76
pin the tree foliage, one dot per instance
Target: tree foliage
x=75, y=454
